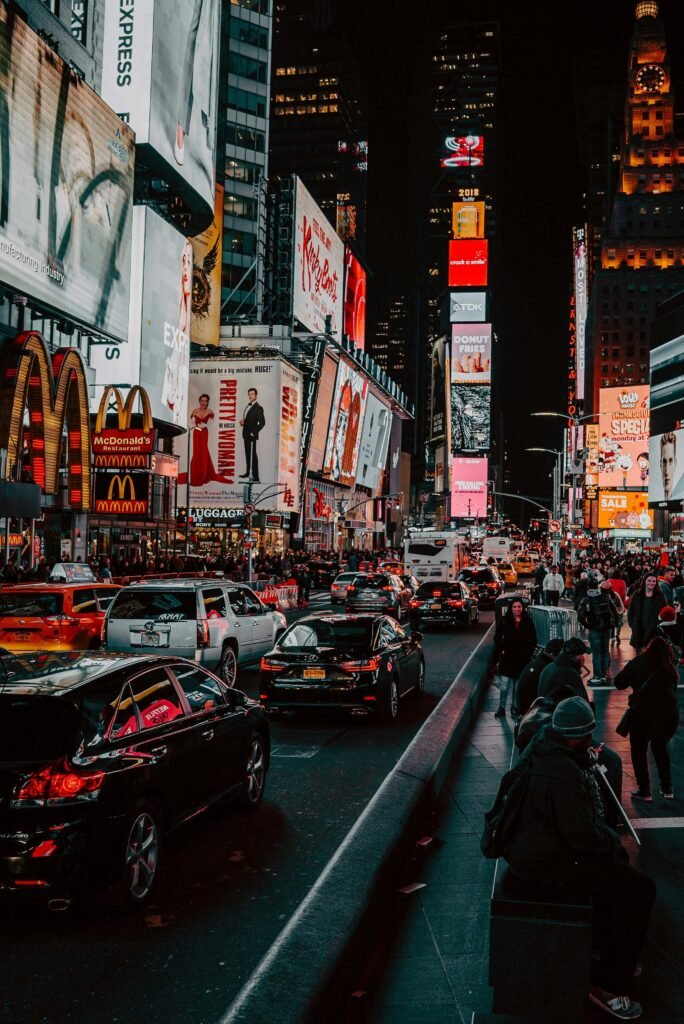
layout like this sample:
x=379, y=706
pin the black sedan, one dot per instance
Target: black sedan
x=360, y=663
x=452, y=603
x=101, y=755
x=484, y=581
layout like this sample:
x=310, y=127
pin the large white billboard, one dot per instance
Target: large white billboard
x=66, y=186
x=319, y=268
x=344, y=431
x=246, y=417
x=160, y=74
x=377, y=425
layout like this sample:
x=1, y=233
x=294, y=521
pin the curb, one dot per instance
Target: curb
x=316, y=954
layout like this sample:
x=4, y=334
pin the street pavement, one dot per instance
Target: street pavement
x=432, y=966
x=228, y=881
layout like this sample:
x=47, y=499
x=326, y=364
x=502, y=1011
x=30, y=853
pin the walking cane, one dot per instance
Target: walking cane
x=602, y=773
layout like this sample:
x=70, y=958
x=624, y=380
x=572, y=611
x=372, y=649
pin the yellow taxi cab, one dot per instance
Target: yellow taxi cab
x=507, y=573
x=54, y=616
x=524, y=565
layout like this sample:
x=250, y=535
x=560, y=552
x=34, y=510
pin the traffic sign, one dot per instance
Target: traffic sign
x=555, y=526
x=249, y=508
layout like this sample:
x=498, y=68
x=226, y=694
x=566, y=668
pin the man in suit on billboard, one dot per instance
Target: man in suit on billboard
x=252, y=424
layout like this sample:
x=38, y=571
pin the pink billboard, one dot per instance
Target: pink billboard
x=468, y=488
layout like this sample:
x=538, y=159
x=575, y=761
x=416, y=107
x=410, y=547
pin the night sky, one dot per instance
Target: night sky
x=543, y=183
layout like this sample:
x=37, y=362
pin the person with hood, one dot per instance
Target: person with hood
x=654, y=713
x=561, y=839
x=515, y=639
x=598, y=613
x=528, y=680
x=566, y=670
x=643, y=611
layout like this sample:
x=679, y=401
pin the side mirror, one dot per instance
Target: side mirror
x=416, y=637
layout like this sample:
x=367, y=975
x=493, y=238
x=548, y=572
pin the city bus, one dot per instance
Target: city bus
x=434, y=555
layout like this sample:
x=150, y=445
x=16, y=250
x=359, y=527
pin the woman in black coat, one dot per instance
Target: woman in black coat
x=654, y=713
x=514, y=642
x=644, y=607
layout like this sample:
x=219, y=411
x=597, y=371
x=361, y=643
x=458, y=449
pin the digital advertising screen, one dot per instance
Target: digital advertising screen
x=470, y=417
x=344, y=433
x=468, y=220
x=354, y=300
x=440, y=469
x=467, y=307
x=66, y=186
x=666, y=478
x=321, y=420
x=468, y=261
x=206, y=278
x=439, y=380
x=160, y=74
x=319, y=267
x=245, y=422
x=624, y=510
x=471, y=354
x=623, y=453
x=667, y=385
x=377, y=424
x=462, y=151
x=581, y=272
x=468, y=488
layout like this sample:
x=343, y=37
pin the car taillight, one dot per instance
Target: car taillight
x=436, y=593
x=414, y=604
x=269, y=664
x=454, y=603
x=492, y=585
x=388, y=588
x=202, y=633
x=351, y=590
x=364, y=665
x=58, y=784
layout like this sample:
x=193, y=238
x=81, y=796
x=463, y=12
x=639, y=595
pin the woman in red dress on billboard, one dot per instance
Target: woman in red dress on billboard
x=202, y=469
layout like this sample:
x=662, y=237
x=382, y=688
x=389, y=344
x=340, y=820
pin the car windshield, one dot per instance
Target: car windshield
x=26, y=604
x=345, y=577
x=157, y=605
x=437, y=590
x=372, y=582
x=315, y=633
x=35, y=728
x=476, y=575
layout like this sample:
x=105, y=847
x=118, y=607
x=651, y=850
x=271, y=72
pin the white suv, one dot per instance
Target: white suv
x=215, y=623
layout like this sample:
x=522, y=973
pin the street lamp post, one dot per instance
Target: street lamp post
x=555, y=514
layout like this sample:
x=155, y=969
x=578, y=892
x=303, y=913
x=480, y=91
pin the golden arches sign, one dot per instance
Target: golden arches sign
x=53, y=390
x=124, y=409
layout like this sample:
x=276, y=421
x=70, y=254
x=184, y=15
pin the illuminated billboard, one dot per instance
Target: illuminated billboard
x=377, y=424
x=246, y=423
x=468, y=220
x=624, y=510
x=354, y=300
x=468, y=263
x=581, y=269
x=439, y=387
x=321, y=420
x=470, y=417
x=319, y=267
x=160, y=74
x=467, y=307
x=344, y=433
x=66, y=189
x=623, y=443
x=206, y=278
x=666, y=483
x=468, y=488
x=462, y=151
x=471, y=354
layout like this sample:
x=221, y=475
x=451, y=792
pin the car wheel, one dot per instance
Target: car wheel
x=390, y=701
x=254, y=773
x=419, y=688
x=228, y=666
x=138, y=859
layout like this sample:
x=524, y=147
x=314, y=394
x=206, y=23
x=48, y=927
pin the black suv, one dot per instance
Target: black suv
x=483, y=581
x=101, y=754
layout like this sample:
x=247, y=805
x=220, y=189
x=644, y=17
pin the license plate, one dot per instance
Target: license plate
x=436, y=607
x=314, y=673
x=150, y=639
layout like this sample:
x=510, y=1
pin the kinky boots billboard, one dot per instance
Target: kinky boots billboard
x=122, y=454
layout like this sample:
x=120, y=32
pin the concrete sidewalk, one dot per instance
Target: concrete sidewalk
x=435, y=969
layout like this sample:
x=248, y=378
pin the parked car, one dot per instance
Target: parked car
x=444, y=601
x=102, y=754
x=54, y=616
x=338, y=588
x=378, y=592
x=218, y=624
x=361, y=663
x=484, y=582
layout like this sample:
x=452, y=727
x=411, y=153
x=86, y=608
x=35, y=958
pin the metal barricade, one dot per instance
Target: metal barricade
x=553, y=623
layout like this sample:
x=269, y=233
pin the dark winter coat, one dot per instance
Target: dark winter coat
x=559, y=820
x=655, y=713
x=642, y=633
x=597, y=611
x=528, y=681
x=537, y=716
x=514, y=646
x=563, y=671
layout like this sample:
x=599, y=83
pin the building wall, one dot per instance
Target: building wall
x=75, y=28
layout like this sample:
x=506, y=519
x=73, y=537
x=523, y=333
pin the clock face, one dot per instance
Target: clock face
x=650, y=78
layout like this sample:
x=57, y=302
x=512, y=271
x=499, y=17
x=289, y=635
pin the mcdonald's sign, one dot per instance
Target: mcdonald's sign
x=123, y=446
x=122, y=493
x=52, y=390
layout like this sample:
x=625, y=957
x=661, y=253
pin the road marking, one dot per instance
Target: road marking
x=657, y=822
x=295, y=751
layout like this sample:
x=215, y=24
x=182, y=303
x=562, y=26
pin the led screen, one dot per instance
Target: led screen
x=623, y=454
x=468, y=488
x=666, y=483
x=471, y=354
x=319, y=267
x=344, y=433
x=463, y=151
x=470, y=417
x=354, y=300
x=467, y=307
x=624, y=510
x=468, y=263
x=468, y=220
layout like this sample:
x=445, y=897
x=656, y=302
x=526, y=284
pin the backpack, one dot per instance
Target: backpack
x=500, y=820
x=597, y=613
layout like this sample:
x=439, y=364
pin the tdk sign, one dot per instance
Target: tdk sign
x=467, y=307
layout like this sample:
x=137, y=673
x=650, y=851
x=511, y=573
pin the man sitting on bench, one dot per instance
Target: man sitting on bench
x=561, y=839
